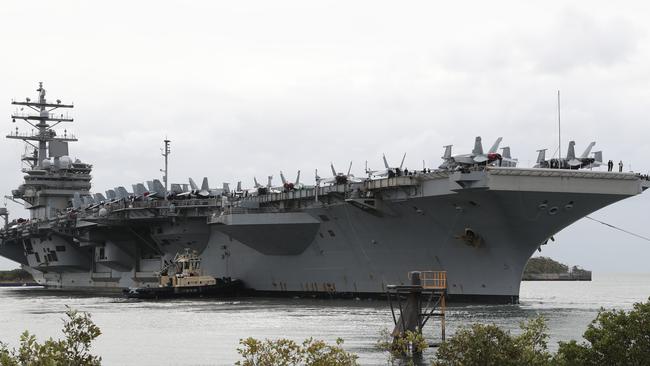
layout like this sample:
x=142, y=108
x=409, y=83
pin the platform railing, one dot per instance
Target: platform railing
x=434, y=280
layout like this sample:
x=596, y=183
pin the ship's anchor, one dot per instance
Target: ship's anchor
x=470, y=237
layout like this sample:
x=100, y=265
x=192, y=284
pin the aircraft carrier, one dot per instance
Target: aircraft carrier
x=477, y=216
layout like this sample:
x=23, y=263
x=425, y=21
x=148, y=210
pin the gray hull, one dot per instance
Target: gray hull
x=356, y=252
x=343, y=246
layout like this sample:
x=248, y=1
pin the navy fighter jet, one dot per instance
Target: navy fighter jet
x=476, y=157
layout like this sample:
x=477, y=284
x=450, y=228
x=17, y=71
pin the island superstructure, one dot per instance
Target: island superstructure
x=344, y=236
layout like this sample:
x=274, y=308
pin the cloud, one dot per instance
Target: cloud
x=577, y=40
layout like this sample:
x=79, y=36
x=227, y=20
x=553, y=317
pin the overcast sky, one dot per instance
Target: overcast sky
x=248, y=89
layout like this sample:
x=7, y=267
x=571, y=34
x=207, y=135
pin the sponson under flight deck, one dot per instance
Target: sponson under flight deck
x=477, y=216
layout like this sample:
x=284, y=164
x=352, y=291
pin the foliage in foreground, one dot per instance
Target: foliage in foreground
x=285, y=352
x=612, y=338
x=490, y=345
x=74, y=350
x=405, y=347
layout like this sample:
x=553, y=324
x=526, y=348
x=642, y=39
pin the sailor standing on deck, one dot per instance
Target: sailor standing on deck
x=620, y=166
x=610, y=165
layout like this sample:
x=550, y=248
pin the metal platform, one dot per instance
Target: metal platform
x=412, y=313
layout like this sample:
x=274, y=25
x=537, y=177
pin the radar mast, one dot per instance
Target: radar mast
x=43, y=121
x=53, y=179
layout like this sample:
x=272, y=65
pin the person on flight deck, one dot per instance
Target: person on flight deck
x=610, y=165
x=620, y=166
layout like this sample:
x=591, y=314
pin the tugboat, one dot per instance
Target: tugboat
x=182, y=277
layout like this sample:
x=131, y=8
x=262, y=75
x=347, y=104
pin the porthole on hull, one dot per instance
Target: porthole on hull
x=553, y=210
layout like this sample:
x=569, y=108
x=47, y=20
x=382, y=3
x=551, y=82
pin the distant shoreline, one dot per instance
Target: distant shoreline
x=557, y=277
x=16, y=277
x=18, y=284
x=547, y=269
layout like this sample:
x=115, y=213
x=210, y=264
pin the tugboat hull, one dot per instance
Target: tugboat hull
x=223, y=288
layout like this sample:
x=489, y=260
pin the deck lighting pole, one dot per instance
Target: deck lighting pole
x=559, y=130
x=166, y=151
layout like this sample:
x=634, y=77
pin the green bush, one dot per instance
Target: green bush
x=74, y=350
x=285, y=352
x=613, y=338
x=490, y=345
x=407, y=347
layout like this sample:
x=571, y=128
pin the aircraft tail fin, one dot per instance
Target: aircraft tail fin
x=158, y=187
x=506, y=152
x=333, y=170
x=226, y=188
x=284, y=181
x=139, y=189
x=176, y=188
x=478, y=146
x=99, y=197
x=385, y=161
x=110, y=193
x=239, y=186
x=495, y=146
x=571, y=153
x=447, y=154
x=598, y=156
x=257, y=185
x=541, y=156
x=269, y=184
x=193, y=185
x=204, y=185
x=298, y=178
x=402, y=163
x=150, y=186
x=588, y=150
x=122, y=192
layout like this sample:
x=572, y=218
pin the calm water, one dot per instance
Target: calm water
x=206, y=332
